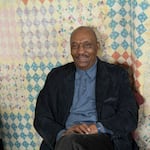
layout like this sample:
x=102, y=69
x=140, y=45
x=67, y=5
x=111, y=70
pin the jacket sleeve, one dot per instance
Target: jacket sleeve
x=125, y=116
x=44, y=121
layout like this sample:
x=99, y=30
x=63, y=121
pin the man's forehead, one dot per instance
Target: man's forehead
x=83, y=29
x=81, y=41
x=83, y=34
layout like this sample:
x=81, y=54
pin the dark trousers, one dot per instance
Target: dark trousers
x=84, y=142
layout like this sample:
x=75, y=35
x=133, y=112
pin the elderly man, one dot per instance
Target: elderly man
x=86, y=104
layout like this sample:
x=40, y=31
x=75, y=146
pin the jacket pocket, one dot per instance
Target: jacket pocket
x=109, y=107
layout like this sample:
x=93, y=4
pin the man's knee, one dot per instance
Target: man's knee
x=68, y=139
x=67, y=142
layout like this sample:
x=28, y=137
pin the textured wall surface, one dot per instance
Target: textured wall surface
x=34, y=38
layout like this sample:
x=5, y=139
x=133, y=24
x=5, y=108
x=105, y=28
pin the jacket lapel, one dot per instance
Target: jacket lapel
x=68, y=90
x=102, y=85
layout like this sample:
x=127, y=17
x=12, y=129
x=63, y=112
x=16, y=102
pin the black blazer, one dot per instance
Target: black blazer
x=116, y=106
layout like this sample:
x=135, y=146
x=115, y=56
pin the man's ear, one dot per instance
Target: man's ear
x=98, y=45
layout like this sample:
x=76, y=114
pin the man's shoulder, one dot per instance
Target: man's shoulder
x=110, y=69
x=109, y=66
x=62, y=70
x=64, y=67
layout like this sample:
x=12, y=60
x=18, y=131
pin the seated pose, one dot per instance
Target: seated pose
x=87, y=104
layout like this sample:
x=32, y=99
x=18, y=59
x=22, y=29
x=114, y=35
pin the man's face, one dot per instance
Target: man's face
x=84, y=47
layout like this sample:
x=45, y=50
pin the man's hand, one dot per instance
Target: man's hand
x=93, y=129
x=82, y=129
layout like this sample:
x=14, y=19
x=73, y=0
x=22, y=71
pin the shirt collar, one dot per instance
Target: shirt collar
x=91, y=72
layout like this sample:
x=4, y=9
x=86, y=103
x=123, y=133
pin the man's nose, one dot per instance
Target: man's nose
x=81, y=48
